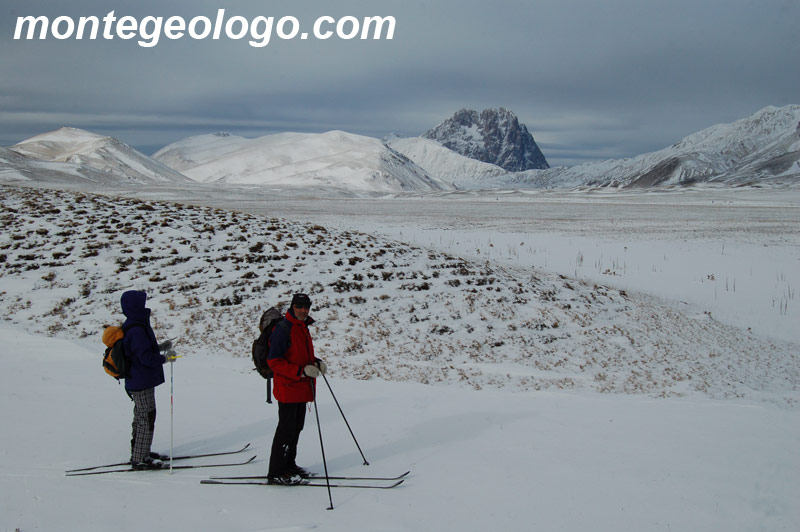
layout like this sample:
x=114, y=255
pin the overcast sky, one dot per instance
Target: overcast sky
x=592, y=79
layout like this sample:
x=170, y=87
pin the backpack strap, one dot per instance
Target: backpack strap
x=286, y=326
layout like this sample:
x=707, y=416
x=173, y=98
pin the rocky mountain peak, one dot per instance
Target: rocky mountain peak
x=493, y=136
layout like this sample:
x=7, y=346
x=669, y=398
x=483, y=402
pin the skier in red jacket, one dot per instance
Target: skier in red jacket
x=291, y=358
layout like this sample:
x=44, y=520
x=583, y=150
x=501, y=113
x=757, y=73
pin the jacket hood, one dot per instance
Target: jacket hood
x=133, y=302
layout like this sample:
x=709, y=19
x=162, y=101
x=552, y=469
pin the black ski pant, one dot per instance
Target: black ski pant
x=291, y=419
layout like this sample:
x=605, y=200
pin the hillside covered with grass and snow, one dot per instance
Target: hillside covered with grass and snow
x=384, y=309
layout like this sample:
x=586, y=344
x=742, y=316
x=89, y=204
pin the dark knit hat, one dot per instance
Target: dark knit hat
x=301, y=300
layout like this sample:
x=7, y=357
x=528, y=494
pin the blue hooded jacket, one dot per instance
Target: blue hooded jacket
x=147, y=363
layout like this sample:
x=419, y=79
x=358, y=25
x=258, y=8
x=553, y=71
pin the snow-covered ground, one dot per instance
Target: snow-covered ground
x=564, y=397
x=480, y=460
x=730, y=253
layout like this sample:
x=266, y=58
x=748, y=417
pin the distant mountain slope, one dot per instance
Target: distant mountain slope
x=764, y=147
x=92, y=156
x=17, y=167
x=194, y=151
x=333, y=159
x=492, y=136
x=445, y=164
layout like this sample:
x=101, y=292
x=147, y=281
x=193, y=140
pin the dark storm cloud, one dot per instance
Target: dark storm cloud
x=592, y=80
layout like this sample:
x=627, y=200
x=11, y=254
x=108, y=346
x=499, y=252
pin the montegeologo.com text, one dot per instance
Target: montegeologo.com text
x=149, y=30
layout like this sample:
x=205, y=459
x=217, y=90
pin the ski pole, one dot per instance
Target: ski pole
x=171, y=408
x=171, y=400
x=321, y=446
x=269, y=391
x=345, y=419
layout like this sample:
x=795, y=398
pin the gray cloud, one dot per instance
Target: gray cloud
x=592, y=80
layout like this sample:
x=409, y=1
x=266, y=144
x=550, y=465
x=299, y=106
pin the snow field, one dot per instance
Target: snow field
x=488, y=460
x=731, y=254
x=750, y=286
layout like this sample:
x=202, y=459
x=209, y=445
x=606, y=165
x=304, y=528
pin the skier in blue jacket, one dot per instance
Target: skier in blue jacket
x=146, y=372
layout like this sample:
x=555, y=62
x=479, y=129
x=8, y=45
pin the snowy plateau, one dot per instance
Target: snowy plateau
x=564, y=359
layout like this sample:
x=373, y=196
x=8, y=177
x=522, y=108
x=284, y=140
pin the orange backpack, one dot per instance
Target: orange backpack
x=115, y=361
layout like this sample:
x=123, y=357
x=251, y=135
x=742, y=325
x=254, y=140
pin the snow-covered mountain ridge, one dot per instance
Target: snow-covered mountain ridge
x=762, y=148
x=447, y=165
x=333, y=159
x=492, y=136
x=383, y=309
x=94, y=157
x=15, y=167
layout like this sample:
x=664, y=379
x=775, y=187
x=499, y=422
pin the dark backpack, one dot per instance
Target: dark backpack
x=271, y=318
x=115, y=360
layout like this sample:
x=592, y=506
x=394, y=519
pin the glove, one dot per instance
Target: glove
x=323, y=367
x=170, y=355
x=311, y=371
x=165, y=346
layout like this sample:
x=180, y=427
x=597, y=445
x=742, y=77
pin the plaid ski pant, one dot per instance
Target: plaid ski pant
x=144, y=423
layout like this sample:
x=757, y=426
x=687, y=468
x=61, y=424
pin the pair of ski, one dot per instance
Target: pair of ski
x=314, y=482
x=340, y=482
x=116, y=467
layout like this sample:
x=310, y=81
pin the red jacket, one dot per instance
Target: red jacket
x=291, y=385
